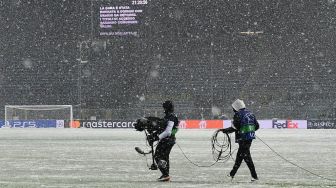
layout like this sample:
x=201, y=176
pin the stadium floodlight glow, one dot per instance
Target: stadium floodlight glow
x=39, y=112
x=251, y=32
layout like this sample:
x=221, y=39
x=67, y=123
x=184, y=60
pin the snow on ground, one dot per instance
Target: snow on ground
x=106, y=158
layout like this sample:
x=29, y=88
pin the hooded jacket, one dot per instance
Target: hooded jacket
x=244, y=122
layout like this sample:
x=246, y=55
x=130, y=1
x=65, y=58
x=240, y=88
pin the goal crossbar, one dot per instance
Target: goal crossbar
x=39, y=108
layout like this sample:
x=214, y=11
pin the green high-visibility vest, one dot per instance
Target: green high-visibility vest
x=247, y=128
x=174, y=131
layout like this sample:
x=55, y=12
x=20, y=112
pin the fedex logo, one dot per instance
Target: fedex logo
x=288, y=124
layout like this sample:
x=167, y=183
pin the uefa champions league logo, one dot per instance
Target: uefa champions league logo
x=59, y=123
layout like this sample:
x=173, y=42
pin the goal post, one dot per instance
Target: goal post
x=38, y=115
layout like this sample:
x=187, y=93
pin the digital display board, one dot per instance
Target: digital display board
x=122, y=18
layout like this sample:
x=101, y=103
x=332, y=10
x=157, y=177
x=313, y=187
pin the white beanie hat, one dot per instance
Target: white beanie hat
x=238, y=104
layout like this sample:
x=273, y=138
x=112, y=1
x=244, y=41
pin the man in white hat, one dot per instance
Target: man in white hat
x=244, y=125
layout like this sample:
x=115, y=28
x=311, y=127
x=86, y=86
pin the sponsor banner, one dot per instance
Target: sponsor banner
x=201, y=124
x=283, y=124
x=32, y=124
x=275, y=124
x=111, y=124
x=227, y=123
x=321, y=124
x=183, y=124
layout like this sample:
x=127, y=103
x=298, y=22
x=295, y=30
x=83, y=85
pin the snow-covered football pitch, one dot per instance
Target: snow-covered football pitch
x=106, y=158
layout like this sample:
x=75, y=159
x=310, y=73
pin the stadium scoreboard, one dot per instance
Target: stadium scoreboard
x=122, y=18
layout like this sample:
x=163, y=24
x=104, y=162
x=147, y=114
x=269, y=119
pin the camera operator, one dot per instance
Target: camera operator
x=166, y=138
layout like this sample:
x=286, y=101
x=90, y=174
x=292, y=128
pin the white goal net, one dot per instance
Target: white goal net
x=38, y=116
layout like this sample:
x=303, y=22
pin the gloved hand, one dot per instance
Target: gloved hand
x=152, y=138
x=228, y=130
x=223, y=130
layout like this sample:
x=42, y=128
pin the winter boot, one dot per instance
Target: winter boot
x=164, y=178
x=229, y=176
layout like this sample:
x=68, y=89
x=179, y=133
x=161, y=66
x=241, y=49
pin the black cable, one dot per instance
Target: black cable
x=192, y=161
x=294, y=163
x=218, y=148
x=221, y=151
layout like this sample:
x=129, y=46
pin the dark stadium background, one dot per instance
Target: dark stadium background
x=189, y=51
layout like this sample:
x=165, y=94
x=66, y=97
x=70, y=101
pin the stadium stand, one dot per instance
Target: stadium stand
x=187, y=56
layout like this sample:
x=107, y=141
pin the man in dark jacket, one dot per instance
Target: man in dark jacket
x=244, y=125
x=166, y=138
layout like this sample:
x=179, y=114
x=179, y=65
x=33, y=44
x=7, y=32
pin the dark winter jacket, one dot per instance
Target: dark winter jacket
x=244, y=125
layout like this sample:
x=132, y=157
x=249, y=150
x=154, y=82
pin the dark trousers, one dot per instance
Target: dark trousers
x=161, y=155
x=244, y=154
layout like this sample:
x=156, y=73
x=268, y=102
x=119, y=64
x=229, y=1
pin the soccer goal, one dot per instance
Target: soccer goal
x=38, y=115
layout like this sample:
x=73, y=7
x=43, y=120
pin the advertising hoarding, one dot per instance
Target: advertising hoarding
x=321, y=124
x=32, y=124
